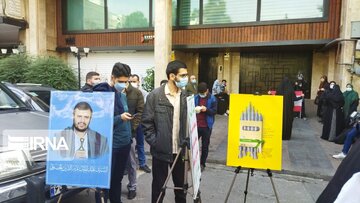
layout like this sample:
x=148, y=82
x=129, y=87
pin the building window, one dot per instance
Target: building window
x=85, y=15
x=189, y=12
x=291, y=9
x=122, y=14
x=229, y=11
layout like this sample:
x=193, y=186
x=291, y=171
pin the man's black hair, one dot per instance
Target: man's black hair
x=83, y=106
x=90, y=74
x=135, y=75
x=173, y=67
x=121, y=70
x=202, y=87
x=223, y=81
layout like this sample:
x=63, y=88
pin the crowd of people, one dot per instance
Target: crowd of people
x=160, y=119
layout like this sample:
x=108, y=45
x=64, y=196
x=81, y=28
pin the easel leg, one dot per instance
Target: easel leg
x=272, y=183
x=59, y=200
x=237, y=170
x=247, y=182
x=186, y=168
x=168, y=177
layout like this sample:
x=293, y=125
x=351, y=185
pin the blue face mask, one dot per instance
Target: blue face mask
x=120, y=86
x=182, y=83
x=202, y=95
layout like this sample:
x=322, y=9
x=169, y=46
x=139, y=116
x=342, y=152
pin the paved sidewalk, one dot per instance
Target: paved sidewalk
x=304, y=154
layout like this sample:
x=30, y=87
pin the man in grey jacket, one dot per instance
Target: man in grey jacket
x=165, y=124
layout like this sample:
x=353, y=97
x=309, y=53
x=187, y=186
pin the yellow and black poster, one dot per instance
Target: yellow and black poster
x=255, y=131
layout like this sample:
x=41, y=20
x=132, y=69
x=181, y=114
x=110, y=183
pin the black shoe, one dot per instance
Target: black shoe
x=131, y=194
x=145, y=168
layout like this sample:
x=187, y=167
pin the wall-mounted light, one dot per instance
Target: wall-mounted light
x=15, y=51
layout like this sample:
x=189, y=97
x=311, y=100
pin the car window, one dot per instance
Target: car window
x=6, y=102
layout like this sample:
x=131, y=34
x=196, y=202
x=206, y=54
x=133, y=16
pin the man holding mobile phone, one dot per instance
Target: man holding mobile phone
x=135, y=102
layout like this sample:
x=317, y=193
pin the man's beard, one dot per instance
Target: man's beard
x=80, y=130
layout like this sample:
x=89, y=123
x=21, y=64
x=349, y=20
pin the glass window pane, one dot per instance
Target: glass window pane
x=229, y=11
x=189, y=12
x=291, y=9
x=173, y=12
x=85, y=15
x=123, y=14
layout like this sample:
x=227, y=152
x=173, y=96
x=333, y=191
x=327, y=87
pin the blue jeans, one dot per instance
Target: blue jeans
x=118, y=164
x=140, y=146
x=349, y=139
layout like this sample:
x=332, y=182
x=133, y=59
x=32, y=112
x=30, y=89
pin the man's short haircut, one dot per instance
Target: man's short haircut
x=135, y=75
x=202, y=87
x=163, y=82
x=173, y=67
x=83, y=106
x=121, y=70
x=223, y=81
x=90, y=74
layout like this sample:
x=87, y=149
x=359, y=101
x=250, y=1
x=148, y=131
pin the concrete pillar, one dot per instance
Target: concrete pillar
x=332, y=65
x=319, y=65
x=349, y=13
x=163, y=37
x=235, y=73
x=36, y=33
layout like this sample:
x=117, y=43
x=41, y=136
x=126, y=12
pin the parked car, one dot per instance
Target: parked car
x=29, y=98
x=39, y=90
x=22, y=172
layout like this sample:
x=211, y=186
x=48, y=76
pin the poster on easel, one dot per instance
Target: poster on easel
x=255, y=131
x=194, y=145
x=82, y=123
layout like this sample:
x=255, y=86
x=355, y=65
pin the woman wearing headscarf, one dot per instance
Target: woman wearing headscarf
x=351, y=102
x=287, y=91
x=323, y=82
x=333, y=117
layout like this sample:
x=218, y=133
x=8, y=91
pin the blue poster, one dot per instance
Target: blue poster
x=80, y=139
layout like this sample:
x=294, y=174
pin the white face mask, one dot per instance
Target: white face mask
x=348, y=89
x=332, y=86
x=95, y=82
x=136, y=85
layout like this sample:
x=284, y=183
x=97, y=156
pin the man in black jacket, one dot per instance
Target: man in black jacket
x=164, y=122
x=92, y=79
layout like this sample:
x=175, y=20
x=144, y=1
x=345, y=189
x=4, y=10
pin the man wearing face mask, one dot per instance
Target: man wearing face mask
x=135, y=82
x=205, y=107
x=121, y=130
x=135, y=102
x=191, y=87
x=92, y=79
x=164, y=123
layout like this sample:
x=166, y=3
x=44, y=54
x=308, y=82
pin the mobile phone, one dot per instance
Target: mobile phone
x=133, y=115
